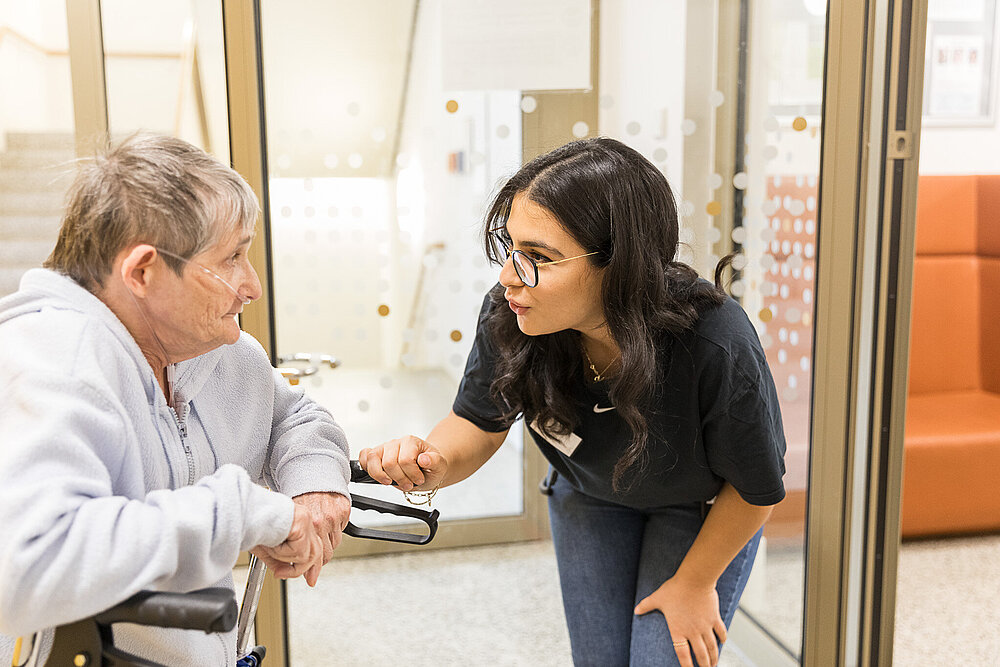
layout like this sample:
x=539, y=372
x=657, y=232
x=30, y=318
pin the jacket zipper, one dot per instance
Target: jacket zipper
x=182, y=430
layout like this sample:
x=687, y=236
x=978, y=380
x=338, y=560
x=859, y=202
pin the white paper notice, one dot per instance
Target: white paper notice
x=516, y=44
x=956, y=77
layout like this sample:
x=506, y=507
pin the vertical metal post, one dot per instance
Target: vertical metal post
x=898, y=162
x=247, y=140
x=86, y=62
x=874, y=58
x=244, y=77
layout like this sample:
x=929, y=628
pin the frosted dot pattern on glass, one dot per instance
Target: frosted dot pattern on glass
x=580, y=129
x=787, y=293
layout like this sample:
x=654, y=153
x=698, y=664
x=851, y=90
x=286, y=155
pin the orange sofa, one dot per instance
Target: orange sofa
x=951, y=475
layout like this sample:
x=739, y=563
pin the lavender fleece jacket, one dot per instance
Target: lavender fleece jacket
x=102, y=497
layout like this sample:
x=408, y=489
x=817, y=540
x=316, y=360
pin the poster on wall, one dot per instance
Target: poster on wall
x=961, y=63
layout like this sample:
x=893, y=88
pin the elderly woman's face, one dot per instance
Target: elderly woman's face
x=197, y=311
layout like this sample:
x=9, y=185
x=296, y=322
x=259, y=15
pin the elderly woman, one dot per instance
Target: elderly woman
x=137, y=421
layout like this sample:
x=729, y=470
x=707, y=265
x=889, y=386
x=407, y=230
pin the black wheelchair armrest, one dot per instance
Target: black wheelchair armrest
x=90, y=641
x=209, y=610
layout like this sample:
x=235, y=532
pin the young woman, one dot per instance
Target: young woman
x=645, y=387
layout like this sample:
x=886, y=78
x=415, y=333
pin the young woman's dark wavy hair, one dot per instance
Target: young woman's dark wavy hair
x=616, y=204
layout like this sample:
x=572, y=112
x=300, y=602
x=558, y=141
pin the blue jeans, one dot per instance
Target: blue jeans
x=610, y=557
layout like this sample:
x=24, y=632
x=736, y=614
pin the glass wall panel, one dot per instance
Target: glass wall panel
x=377, y=179
x=165, y=70
x=777, y=186
x=36, y=133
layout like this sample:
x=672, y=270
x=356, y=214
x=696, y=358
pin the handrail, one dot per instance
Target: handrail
x=190, y=67
x=149, y=55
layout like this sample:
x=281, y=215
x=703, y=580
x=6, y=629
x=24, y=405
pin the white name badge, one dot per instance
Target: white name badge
x=566, y=444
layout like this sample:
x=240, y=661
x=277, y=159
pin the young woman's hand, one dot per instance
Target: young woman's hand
x=692, y=613
x=413, y=464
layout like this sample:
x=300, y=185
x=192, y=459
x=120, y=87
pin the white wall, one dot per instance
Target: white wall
x=973, y=149
x=143, y=93
x=333, y=78
x=642, y=79
x=35, y=89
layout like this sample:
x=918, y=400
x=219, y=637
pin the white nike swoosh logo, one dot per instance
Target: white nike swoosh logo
x=598, y=409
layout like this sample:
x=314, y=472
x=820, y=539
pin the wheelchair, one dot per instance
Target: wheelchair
x=90, y=643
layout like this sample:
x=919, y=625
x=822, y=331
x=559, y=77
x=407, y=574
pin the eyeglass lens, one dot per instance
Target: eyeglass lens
x=524, y=266
x=526, y=269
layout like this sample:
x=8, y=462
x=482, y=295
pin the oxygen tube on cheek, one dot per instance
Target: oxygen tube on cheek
x=171, y=368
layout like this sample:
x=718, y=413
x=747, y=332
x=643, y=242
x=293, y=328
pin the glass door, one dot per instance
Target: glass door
x=388, y=125
x=773, y=193
x=385, y=126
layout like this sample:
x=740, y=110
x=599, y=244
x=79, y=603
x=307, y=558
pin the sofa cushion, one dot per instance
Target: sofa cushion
x=951, y=459
x=989, y=328
x=944, y=335
x=987, y=212
x=947, y=214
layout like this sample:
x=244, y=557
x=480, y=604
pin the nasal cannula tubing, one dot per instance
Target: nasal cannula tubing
x=170, y=368
x=215, y=275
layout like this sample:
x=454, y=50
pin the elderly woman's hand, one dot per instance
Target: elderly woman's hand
x=300, y=554
x=330, y=513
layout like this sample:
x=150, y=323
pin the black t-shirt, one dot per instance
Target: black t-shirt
x=714, y=418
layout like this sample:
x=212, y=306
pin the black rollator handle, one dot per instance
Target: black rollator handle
x=208, y=610
x=358, y=474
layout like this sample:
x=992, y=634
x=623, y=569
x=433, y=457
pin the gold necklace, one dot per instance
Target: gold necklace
x=593, y=369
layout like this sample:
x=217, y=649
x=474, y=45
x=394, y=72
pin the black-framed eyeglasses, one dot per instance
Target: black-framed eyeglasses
x=525, y=267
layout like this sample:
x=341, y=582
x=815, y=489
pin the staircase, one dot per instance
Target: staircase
x=35, y=172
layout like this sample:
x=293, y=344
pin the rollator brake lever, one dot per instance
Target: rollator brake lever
x=363, y=503
x=360, y=475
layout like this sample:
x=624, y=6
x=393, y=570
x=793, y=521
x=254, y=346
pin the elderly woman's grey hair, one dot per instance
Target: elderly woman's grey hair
x=149, y=189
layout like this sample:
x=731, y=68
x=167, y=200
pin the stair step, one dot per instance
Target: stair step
x=33, y=141
x=29, y=228
x=29, y=253
x=35, y=159
x=30, y=203
x=45, y=179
